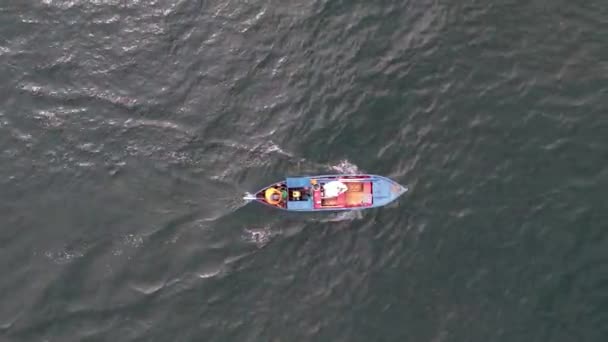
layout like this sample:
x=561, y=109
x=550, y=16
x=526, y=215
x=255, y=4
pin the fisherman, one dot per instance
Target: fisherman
x=333, y=189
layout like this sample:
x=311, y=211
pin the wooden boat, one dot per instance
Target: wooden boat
x=307, y=193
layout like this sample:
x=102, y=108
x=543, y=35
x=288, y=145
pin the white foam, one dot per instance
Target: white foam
x=259, y=236
x=344, y=216
x=345, y=166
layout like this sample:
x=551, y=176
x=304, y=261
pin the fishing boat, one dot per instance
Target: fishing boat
x=330, y=192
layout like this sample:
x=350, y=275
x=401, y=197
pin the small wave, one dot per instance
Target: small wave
x=148, y=289
x=266, y=147
x=271, y=147
x=48, y=118
x=260, y=236
x=154, y=123
x=90, y=147
x=249, y=23
x=210, y=274
x=22, y=136
x=64, y=256
x=133, y=240
x=343, y=216
x=60, y=4
x=345, y=166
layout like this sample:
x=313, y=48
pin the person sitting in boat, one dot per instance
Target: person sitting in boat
x=333, y=189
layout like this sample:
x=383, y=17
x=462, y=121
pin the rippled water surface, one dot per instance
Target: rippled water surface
x=130, y=130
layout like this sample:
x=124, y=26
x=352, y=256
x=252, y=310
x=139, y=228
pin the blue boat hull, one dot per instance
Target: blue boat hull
x=305, y=193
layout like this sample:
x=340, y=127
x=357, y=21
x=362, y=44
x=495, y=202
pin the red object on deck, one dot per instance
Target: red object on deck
x=316, y=197
x=359, y=197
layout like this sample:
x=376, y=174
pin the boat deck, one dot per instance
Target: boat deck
x=359, y=194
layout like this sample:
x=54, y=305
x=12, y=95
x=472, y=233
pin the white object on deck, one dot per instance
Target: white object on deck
x=333, y=189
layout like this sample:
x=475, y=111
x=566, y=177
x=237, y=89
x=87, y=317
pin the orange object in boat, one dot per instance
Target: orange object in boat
x=270, y=197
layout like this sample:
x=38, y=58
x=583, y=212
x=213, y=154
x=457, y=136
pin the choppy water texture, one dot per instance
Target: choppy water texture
x=129, y=131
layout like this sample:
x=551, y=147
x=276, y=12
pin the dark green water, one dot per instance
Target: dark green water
x=129, y=131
